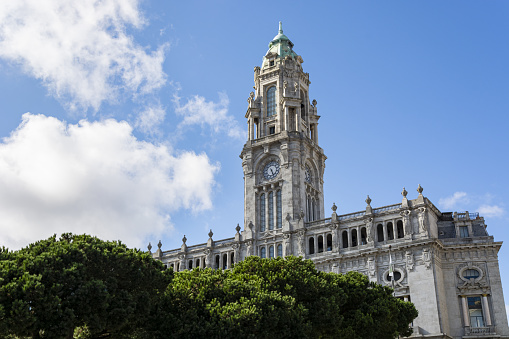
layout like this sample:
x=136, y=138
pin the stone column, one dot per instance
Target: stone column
x=466, y=318
x=349, y=237
x=486, y=310
x=359, y=236
x=385, y=231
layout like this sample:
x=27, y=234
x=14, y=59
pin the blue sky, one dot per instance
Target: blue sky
x=134, y=111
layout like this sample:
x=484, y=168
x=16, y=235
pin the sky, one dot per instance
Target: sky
x=125, y=119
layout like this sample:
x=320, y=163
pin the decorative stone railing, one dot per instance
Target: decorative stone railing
x=351, y=215
x=479, y=330
x=386, y=208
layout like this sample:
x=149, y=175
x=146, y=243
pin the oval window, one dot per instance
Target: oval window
x=397, y=276
x=471, y=274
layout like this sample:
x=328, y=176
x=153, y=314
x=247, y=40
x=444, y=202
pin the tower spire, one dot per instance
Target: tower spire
x=280, y=27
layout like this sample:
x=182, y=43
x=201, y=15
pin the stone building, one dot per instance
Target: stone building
x=445, y=263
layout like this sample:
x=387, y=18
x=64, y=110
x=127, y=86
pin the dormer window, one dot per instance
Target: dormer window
x=271, y=62
x=271, y=101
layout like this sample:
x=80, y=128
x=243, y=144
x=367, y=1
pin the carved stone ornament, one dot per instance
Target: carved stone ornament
x=371, y=267
x=422, y=217
x=237, y=228
x=184, y=239
x=426, y=257
x=296, y=88
x=409, y=260
x=149, y=247
x=159, y=244
x=314, y=103
x=302, y=244
x=334, y=207
x=420, y=189
x=368, y=200
x=407, y=225
x=404, y=192
x=369, y=229
x=472, y=285
x=211, y=234
x=397, y=283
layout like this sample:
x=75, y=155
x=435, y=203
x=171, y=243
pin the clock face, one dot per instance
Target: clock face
x=308, y=175
x=271, y=170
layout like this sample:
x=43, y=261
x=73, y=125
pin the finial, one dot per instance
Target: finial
x=184, y=239
x=334, y=207
x=280, y=27
x=149, y=247
x=211, y=234
x=368, y=200
x=159, y=244
x=420, y=189
x=237, y=228
x=404, y=192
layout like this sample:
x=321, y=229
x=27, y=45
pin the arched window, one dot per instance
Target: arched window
x=225, y=261
x=303, y=105
x=329, y=242
x=279, y=213
x=390, y=231
x=263, y=253
x=320, y=244
x=279, y=250
x=178, y=267
x=271, y=252
x=271, y=101
x=308, y=208
x=262, y=212
x=190, y=267
x=197, y=264
x=217, y=262
x=363, y=236
x=354, y=237
x=380, y=232
x=271, y=210
x=232, y=259
x=313, y=207
x=399, y=226
x=311, y=245
x=172, y=266
x=344, y=237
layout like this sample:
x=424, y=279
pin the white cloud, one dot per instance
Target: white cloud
x=491, y=211
x=96, y=178
x=149, y=120
x=198, y=111
x=80, y=49
x=452, y=201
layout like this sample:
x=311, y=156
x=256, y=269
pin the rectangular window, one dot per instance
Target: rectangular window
x=272, y=130
x=475, y=312
x=271, y=211
x=279, y=212
x=463, y=232
x=262, y=212
x=279, y=250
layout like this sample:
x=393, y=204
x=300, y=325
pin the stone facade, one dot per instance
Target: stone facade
x=444, y=262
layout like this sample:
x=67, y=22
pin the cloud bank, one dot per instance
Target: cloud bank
x=80, y=49
x=209, y=114
x=96, y=178
x=464, y=201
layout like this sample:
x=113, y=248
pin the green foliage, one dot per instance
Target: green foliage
x=52, y=287
x=81, y=287
x=287, y=298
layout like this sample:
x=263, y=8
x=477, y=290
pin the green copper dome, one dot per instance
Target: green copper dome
x=281, y=45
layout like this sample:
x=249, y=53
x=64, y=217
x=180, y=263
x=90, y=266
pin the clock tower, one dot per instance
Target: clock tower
x=282, y=162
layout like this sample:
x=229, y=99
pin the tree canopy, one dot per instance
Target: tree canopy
x=56, y=286
x=287, y=298
x=79, y=286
